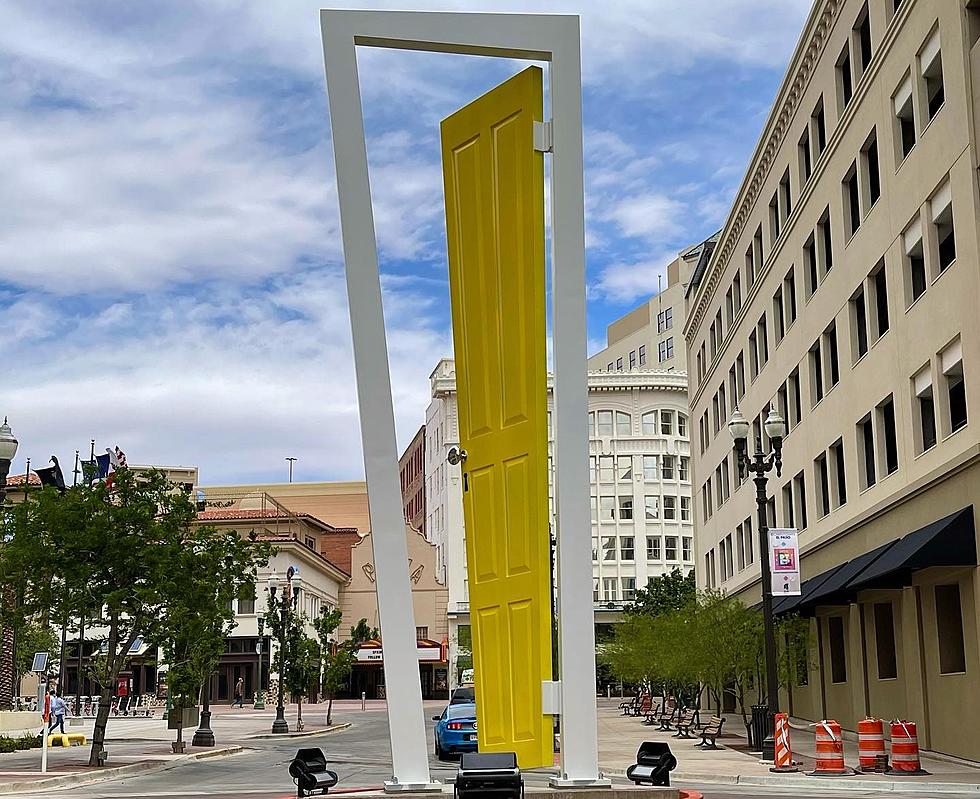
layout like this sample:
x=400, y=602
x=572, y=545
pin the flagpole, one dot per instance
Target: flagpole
x=74, y=479
x=27, y=478
x=91, y=464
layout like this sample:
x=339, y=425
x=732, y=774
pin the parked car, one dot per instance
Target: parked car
x=465, y=694
x=456, y=730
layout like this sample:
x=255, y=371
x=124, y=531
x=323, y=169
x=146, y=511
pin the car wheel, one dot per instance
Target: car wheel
x=438, y=750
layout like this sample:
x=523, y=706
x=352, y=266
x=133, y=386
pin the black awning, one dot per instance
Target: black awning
x=841, y=577
x=787, y=604
x=951, y=541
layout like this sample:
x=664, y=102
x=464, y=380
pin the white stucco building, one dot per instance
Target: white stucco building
x=639, y=454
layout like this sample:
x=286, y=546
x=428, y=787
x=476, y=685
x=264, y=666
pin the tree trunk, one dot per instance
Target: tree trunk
x=101, y=720
x=330, y=709
x=299, y=710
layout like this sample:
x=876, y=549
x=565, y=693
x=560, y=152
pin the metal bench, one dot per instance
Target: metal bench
x=310, y=773
x=654, y=762
x=710, y=732
x=483, y=774
x=686, y=724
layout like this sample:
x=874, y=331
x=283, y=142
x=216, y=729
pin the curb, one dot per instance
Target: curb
x=114, y=772
x=305, y=734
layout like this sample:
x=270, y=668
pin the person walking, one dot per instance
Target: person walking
x=239, y=693
x=58, y=709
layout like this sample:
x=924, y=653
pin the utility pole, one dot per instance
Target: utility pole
x=291, y=461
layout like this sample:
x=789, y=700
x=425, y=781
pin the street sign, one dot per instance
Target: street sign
x=258, y=647
x=784, y=561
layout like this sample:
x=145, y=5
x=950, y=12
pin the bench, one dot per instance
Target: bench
x=629, y=706
x=69, y=739
x=686, y=724
x=710, y=733
x=310, y=773
x=666, y=717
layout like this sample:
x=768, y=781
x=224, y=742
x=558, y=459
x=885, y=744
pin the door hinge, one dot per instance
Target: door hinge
x=543, y=141
x=551, y=697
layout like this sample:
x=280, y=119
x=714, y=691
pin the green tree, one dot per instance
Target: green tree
x=131, y=559
x=664, y=593
x=464, y=649
x=34, y=637
x=337, y=661
x=362, y=632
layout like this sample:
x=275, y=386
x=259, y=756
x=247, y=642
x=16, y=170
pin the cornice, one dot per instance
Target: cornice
x=805, y=59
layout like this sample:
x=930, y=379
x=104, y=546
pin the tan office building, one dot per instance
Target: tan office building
x=845, y=289
x=649, y=336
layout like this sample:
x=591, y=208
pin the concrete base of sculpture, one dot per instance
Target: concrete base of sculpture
x=14, y=723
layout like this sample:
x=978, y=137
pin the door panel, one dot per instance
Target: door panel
x=494, y=183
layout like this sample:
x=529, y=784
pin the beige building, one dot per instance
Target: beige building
x=411, y=473
x=359, y=600
x=844, y=289
x=649, y=336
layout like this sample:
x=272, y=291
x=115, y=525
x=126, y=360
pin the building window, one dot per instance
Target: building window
x=668, y=467
x=794, y=398
x=606, y=470
x=753, y=356
x=625, y=508
x=788, y=505
x=632, y=359
x=818, y=121
x=810, y=261
x=924, y=411
x=866, y=451
x=608, y=548
x=747, y=544
x=915, y=262
x=822, y=472
x=607, y=509
x=685, y=509
x=825, y=242
x=653, y=547
x=626, y=549
x=931, y=68
x=666, y=423
x=687, y=549
x=619, y=364
x=774, y=218
x=595, y=589
x=845, y=84
x=311, y=542
x=833, y=362
x=670, y=547
x=806, y=162
x=799, y=499
x=778, y=315
x=684, y=468
x=954, y=389
x=886, y=416
x=904, y=118
x=648, y=423
x=609, y=585
x=681, y=425
x=941, y=206
x=816, y=374
x=629, y=589
x=879, y=287
x=609, y=368
x=670, y=508
x=839, y=473
x=246, y=605
x=852, y=204
x=740, y=374
x=859, y=324
x=643, y=354
x=838, y=658
x=651, y=506
x=862, y=41
x=872, y=175
x=949, y=625
x=785, y=196
x=624, y=467
x=650, y=467
x=624, y=426
x=605, y=423
x=595, y=509
x=885, y=641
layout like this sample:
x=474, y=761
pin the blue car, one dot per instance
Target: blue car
x=456, y=730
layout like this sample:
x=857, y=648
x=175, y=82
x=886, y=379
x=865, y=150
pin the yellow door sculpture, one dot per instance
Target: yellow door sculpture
x=494, y=183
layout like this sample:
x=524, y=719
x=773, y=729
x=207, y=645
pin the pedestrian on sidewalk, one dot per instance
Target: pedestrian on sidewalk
x=57, y=711
x=239, y=693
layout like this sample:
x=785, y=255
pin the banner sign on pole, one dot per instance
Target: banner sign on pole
x=784, y=561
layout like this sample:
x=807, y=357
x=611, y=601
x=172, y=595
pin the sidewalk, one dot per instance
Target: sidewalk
x=620, y=736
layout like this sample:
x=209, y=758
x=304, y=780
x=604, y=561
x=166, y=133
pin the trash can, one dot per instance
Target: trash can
x=759, y=730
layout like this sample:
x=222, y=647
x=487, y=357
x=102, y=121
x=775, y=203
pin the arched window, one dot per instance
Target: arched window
x=649, y=423
x=624, y=424
x=681, y=425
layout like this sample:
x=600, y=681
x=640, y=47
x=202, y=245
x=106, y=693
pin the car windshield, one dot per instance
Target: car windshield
x=463, y=695
x=467, y=711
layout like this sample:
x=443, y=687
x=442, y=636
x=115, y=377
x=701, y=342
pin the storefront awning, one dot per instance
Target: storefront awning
x=950, y=541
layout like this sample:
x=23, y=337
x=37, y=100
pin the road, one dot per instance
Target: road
x=360, y=756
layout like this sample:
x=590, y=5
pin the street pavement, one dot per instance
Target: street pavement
x=360, y=755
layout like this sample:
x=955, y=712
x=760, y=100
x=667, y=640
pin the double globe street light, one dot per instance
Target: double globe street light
x=759, y=465
x=280, y=610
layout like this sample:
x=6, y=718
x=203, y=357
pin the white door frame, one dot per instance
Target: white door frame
x=541, y=37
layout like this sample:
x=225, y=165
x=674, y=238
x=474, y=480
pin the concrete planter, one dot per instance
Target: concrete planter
x=14, y=723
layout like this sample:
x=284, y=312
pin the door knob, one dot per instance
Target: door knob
x=456, y=455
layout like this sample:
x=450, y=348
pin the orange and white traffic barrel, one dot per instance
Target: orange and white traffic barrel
x=830, y=751
x=784, y=752
x=905, y=749
x=871, y=745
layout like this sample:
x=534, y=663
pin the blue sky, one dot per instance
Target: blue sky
x=170, y=262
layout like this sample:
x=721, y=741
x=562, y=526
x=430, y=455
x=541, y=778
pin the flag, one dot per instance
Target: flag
x=117, y=460
x=52, y=476
x=103, y=463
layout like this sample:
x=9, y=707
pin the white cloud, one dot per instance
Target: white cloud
x=652, y=215
x=626, y=282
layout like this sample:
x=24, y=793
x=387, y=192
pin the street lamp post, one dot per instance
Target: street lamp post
x=759, y=465
x=204, y=735
x=8, y=449
x=281, y=609
x=259, y=703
